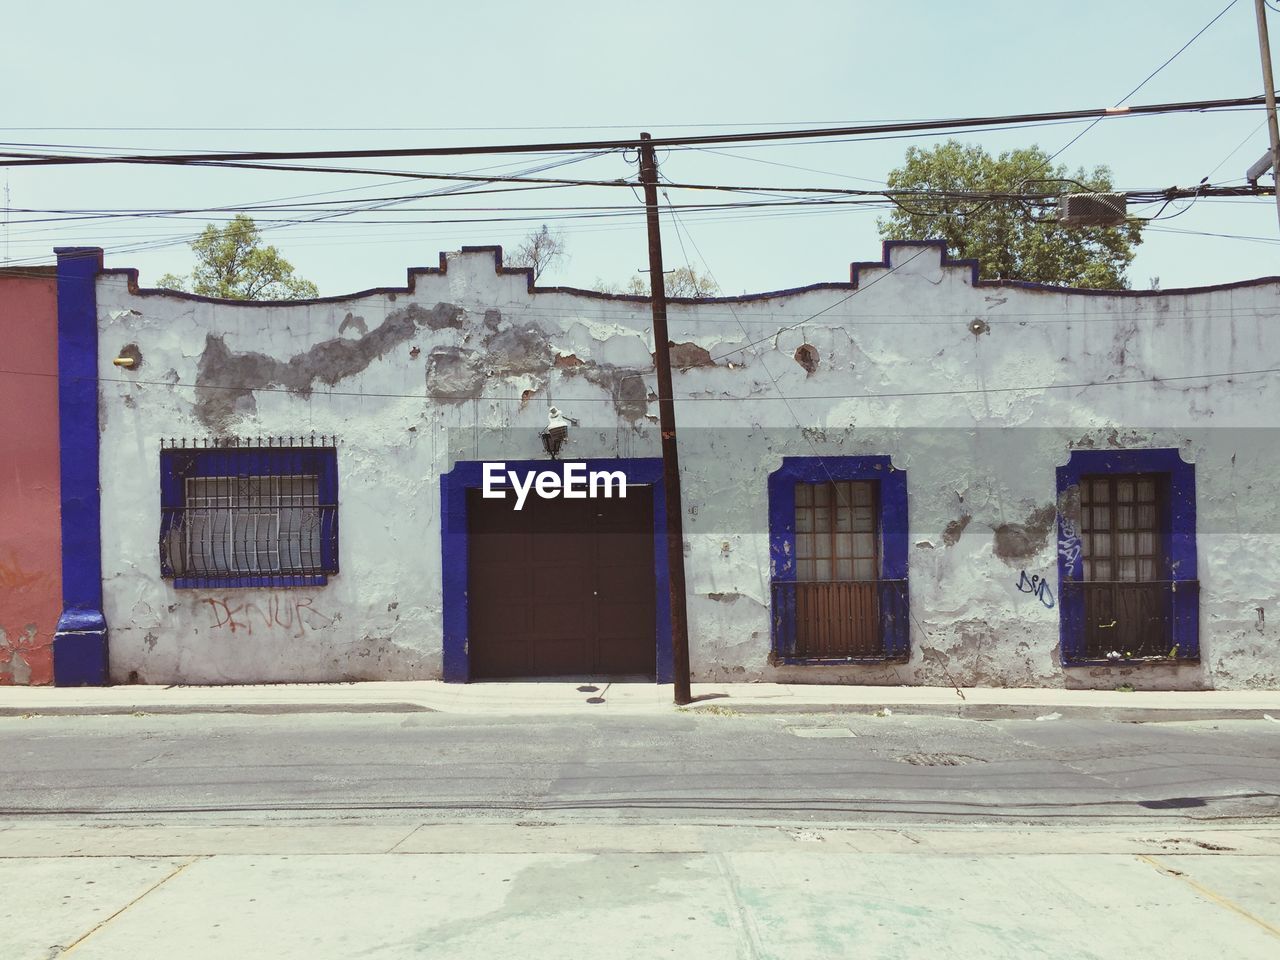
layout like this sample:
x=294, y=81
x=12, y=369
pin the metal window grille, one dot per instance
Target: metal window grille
x=1127, y=590
x=250, y=525
x=835, y=600
x=240, y=513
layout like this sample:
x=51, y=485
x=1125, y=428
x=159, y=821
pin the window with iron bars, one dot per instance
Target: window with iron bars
x=838, y=561
x=1127, y=557
x=836, y=596
x=1127, y=589
x=239, y=513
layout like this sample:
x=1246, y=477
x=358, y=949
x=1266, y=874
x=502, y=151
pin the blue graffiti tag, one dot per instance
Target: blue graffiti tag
x=1034, y=585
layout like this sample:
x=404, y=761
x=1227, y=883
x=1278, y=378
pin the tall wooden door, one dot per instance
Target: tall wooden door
x=562, y=588
x=1128, y=598
x=836, y=590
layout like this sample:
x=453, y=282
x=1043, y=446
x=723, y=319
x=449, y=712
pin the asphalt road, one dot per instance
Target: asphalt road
x=828, y=769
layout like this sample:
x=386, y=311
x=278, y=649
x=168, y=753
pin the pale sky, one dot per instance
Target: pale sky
x=434, y=74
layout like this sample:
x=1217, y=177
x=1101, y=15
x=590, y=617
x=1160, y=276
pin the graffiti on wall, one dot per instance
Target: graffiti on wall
x=1037, y=586
x=279, y=612
x=1069, y=544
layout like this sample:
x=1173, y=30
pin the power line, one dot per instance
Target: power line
x=407, y=233
x=585, y=211
x=1223, y=236
x=1030, y=388
x=626, y=184
x=468, y=180
x=758, y=355
x=738, y=148
x=822, y=461
x=1177, y=53
x=411, y=175
x=345, y=239
x=827, y=309
x=565, y=126
x=442, y=191
x=395, y=179
x=76, y=214
x=1149, y=77
x=727, y=215
x=631, y=143
x=823, y=195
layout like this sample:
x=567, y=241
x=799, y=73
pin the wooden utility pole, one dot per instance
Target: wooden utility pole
x=1269, y=89
x=667, y=424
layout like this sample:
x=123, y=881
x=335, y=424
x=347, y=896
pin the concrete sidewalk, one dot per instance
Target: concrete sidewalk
x=637, y=698
x=803, y=903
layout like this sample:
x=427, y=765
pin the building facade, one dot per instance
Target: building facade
x=912, y=477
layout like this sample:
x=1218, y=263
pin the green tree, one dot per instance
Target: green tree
x=232, y=264
x=1008, y=242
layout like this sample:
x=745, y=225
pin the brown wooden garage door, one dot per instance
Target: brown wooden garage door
x=562, y=588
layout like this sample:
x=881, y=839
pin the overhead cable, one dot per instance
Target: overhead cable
x=1151, y=76
x=1192, y=106
x=798, y=398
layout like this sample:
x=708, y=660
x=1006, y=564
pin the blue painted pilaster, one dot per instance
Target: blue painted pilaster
x=80, y=642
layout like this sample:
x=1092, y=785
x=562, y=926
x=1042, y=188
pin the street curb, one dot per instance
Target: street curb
x=718, y=707
x=989, y=711
x=176, y=709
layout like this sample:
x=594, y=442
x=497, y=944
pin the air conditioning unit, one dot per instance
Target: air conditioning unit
x=1091, y=209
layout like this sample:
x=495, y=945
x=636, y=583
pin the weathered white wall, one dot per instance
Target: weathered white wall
x=980, y=464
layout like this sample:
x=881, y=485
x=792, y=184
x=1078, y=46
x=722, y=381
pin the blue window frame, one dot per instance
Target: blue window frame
x=1151, y=610
x=248, y=516
x=802, y=614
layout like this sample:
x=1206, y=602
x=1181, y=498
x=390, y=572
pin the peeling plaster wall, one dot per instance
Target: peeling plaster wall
x=493, y=356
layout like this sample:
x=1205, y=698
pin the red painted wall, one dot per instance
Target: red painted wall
x=30, y=541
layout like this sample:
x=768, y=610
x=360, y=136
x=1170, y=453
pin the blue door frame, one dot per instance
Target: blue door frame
x=454, y=533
